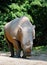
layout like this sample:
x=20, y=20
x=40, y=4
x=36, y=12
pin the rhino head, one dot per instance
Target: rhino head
x=27, y=35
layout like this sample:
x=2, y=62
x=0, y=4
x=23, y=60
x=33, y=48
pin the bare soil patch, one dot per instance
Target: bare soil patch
x=35, y=59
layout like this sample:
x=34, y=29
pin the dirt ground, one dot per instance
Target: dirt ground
x=35, y=59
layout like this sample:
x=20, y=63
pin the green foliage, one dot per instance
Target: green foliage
x=40, y=50
x=35, y=10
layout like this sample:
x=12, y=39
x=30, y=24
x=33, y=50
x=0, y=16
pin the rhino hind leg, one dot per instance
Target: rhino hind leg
x=12, y=51
x=11, y=47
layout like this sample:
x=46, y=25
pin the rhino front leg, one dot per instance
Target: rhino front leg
x=24, y=55
x=18, y=53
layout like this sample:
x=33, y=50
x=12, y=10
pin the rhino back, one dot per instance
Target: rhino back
x=11, y=27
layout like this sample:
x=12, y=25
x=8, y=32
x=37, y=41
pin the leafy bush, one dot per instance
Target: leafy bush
x=35, y=10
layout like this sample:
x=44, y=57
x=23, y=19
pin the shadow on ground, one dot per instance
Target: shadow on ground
x=35, y=56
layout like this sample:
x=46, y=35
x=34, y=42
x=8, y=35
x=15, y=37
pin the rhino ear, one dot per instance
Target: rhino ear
x=34, y=26
x=19, y=34
x=20, y=29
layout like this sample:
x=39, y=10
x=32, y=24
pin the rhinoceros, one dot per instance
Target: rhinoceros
x=19, y=34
